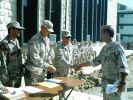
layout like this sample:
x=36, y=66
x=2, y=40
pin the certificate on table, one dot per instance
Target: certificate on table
x=58, y=85
x=53, y=80
x=48, y=84
x=32, y=89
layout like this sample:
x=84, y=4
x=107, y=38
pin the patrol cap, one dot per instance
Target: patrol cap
x=66, y=33
x=14, y=24
x=108, y=28
x=48, y=25
x=104, y=27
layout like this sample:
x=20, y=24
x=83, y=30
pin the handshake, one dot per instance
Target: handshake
x=74, y=68
x=78, y=67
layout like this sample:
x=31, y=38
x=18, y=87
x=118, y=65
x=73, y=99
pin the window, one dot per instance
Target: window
x=121, y=15
x=121, y=26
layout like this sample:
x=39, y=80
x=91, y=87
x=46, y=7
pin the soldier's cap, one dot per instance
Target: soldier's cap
x=104, y=27
x=14, y=24
x=66, y=33
x=48, y=25
x=108, y=28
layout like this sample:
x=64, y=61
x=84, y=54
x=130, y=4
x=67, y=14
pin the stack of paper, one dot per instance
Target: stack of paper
x=48, y=84
x=32, y=89
x=111, y=88
x=13, y=94
x=53, y=80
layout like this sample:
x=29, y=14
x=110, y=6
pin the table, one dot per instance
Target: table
x=66, y=84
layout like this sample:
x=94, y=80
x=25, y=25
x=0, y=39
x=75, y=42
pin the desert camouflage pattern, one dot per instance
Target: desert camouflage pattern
x=63, y=58
x=37, y=58
x=10, y=62
x=113, y=60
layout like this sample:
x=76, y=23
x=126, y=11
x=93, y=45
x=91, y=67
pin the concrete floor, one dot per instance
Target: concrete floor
x=76, y=95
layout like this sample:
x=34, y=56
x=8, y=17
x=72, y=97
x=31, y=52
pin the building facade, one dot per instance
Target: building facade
x=81, y=17
x=125, y=23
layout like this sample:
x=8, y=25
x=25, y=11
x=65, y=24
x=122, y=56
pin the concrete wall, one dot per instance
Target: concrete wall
x=41, y=12
x=112, y=14
x=66, y=14
x=7, y=14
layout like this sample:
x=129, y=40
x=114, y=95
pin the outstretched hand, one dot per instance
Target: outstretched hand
x=51, y=69
x=72, y=71
x=4, y=89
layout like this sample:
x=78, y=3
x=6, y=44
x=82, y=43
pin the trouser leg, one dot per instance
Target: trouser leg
x=27, y=77
x=112, y=96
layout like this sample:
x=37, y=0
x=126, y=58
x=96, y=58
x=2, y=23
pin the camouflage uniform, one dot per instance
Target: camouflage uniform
x=37, y=59
x=113, y=61
x=63, y=58
x=10, y=62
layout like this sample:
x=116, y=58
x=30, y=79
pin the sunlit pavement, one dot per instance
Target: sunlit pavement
x=76, y=95
x=128, y=52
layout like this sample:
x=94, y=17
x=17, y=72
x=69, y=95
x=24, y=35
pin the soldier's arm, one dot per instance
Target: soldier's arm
x=78, y=67
x=122, y=62
x=123, y=66
x=3, y=62
x=59, y=56
x=3, y=88
x=35, y=56
x=122, y=85
x=64, y=63
x=2, y=71
x=93, y=62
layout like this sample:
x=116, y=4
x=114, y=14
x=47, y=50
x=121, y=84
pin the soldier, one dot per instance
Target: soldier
x=63, y=56
x=11, y=58
x=114, y=64
x=37, y=62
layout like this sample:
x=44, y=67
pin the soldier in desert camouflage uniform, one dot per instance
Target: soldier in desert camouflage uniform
x=10, y=58
x=63, y=54
x=114, y=65
x=37, y=62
